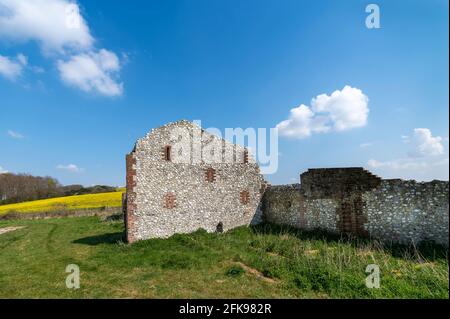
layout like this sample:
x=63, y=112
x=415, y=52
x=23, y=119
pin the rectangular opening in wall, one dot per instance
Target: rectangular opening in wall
x=210, y=174
x=245, y=197
x=167, y=152
x=246, y=157
x=170, y=201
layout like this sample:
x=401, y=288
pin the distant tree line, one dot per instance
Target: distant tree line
x=16, y=188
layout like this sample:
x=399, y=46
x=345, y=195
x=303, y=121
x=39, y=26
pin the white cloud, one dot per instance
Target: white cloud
x=63, y=35
x=398, y=164
x=12, y=68
x=426, y=162
x=56, y=25
x=70, y=168
x=342, y=110
x=15, y=135
x=302, y=123
x=92, y=72
x=2, y=171
x=426, y=144
x=412, y=168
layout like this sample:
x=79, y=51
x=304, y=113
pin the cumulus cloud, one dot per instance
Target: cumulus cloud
x=426, y=161
x=11, y=68
x=93, y=71
x=342, y=110
x=56, y=25
x=412, y=168
x=70, y=168
x=3, y=171
x=426, y=144
x=15, y=135
x=63, y=35
x=398, y=164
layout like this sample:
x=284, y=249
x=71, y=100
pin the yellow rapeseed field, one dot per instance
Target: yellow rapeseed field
x=113, y=199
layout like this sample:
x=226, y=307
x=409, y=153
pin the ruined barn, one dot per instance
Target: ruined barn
x=181, y=178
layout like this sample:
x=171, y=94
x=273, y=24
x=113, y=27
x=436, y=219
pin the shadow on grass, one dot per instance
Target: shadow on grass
x=428, y=250
x=111, y=238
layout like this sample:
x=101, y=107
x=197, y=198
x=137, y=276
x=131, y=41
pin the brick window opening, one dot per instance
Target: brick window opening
x=211, y=175
x=245, y=197
x=168, y=152
x=245, y=156
x=170, y=201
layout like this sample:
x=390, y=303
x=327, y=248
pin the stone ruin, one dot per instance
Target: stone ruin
x=172, y=188
x=356, y=202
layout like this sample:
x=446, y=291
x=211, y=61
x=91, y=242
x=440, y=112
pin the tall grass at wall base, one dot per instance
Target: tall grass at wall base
x=335, y=265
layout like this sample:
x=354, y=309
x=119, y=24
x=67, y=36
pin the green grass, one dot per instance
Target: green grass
x=261, y=262
x=77, y=202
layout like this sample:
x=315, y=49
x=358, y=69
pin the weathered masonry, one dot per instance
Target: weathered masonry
x=354, y=201
x=177, y=184
x=181, y=178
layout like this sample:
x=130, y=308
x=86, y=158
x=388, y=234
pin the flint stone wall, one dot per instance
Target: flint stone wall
x=217, y=205
x=220, y=187
x=281, y=204
x=354, y=201
x=408, y=211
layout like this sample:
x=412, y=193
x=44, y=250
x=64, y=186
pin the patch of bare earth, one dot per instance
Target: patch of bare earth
x=5, y=230
x=256, y=273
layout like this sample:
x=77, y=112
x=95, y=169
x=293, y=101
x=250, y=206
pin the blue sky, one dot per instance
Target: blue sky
x=73, y=102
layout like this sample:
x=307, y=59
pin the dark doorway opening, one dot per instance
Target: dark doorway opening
x=219, y=228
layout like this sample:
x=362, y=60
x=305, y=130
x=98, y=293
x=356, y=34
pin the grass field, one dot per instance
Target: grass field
x=90, y=201
x=260, y=262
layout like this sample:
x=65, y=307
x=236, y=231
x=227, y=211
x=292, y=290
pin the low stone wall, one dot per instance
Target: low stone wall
x=280, y=205
x=407, y=211
x=319, y=214
x=287, y=205
x=354, y=201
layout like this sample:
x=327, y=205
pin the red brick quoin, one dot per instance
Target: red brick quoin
x=131, y=197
